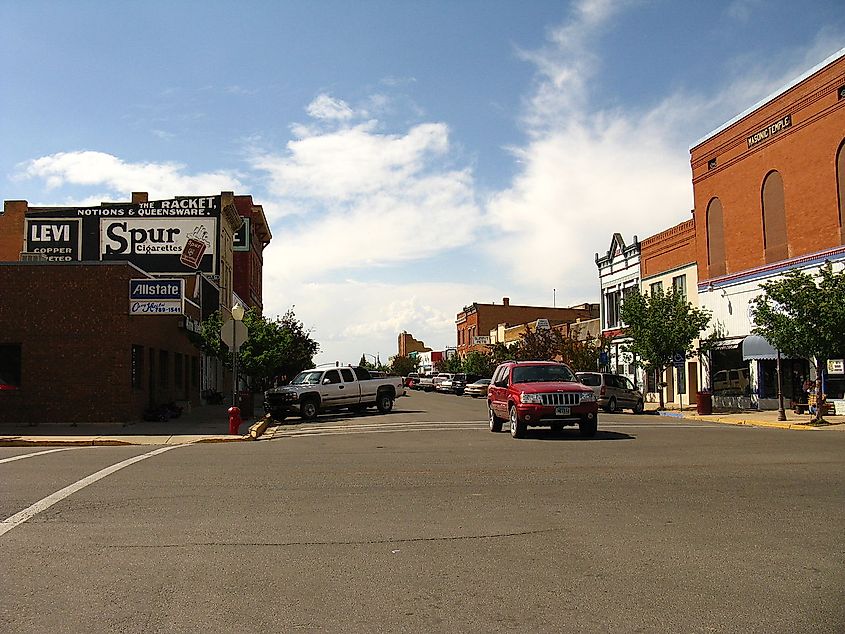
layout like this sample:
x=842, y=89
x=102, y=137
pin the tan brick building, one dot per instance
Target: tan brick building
x=407, y=344
x=667, y=261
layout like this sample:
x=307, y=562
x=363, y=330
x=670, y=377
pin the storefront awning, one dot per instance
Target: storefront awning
x=727, y=344
x=756, y=347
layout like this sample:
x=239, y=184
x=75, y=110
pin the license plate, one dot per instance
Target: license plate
x=561, y=411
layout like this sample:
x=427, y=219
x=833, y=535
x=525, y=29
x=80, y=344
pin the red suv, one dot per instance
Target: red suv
x=535, y=393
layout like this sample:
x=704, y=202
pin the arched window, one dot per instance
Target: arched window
x=840, y=189
x=774, y=219
x=715, y=238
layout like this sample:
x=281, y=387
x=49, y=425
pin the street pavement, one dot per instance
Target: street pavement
x=210, y=423
x=424, y=521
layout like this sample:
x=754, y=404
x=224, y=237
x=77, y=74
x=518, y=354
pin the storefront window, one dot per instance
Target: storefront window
x=730, y=373
x=10, y=366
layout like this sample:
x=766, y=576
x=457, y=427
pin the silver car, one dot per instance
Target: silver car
x=613, y=391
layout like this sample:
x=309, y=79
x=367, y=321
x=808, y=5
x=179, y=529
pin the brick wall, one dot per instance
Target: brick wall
x=11, y=230
x=804, y=153
x=76, y=335
x=486, y=317
x=668, y=249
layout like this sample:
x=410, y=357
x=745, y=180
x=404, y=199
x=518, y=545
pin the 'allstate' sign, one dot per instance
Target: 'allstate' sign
x=156, y=296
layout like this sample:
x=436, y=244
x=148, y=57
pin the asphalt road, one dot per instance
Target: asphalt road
x=424, y=521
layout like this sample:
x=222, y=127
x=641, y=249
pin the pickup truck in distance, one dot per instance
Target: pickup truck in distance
x=332, y=388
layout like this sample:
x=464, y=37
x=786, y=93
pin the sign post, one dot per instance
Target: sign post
x=233, y=336
x=678, y=360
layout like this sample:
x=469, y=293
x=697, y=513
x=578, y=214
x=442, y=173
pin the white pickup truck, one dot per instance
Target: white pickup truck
x=332, y=388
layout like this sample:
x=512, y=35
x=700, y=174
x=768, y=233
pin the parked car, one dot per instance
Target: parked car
x=444, y=384
x=731, y=382
x=532, y=393
x=426, y=384
x=460, y=381
x=613, y=391
x=411, y=379
x=477, y=388
x=327, y=389
x=442, y=376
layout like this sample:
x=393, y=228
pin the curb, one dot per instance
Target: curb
x=757, y=423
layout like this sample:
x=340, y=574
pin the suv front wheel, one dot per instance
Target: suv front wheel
x=518, y=428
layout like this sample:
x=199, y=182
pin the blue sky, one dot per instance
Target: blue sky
x=412, y=157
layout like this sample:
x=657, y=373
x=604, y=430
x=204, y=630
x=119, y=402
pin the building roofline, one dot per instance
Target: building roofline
x=827, y=62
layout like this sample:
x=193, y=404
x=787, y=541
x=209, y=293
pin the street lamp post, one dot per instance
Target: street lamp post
x=237, y=315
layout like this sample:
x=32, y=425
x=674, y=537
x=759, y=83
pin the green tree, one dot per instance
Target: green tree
x=660, y=326
x=403, y=366
x=275, y=347
x=480, y=363
x=454, y=364
x=538, y=345
x=581, y=355
x=804, y=316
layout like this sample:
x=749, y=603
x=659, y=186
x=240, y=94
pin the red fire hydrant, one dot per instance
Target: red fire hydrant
x=235, y=420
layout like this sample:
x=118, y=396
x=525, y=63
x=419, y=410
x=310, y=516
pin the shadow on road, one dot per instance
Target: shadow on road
x=574, y=434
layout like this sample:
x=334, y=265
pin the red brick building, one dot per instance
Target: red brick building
x=248, y=257
x=76, y=354
x=769, y=189
x=475, y=322
x=67, y=276
x=769, y=185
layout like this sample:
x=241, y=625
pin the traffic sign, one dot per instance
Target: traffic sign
x=226, y=333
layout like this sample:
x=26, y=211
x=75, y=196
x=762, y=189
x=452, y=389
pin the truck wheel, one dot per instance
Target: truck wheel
x=384, y=403
x=495, y=421
x=279, y=416
x=518, y=428
x=309, y=409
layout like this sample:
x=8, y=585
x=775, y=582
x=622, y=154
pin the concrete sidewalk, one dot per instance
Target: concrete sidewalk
x=206, y=423
x=766, y=418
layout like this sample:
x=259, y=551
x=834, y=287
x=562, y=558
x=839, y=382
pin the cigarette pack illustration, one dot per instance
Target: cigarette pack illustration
x=195, y=247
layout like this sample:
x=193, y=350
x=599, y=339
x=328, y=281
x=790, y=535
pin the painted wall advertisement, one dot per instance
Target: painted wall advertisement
x=58, y=240
x=178, y=235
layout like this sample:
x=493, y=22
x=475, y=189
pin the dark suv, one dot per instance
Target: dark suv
x=540, y=393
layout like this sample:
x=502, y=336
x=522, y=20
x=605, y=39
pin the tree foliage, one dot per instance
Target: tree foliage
x=804, y=316
x=660, y=326
x=536, y=345
x=275, y=347
x=403, y=366
x=479, y=363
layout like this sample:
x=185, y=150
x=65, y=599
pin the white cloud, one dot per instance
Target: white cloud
x=352, y=161
x=350, y=317
x=160, y=180
x=355, y=196
x=327, y=107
